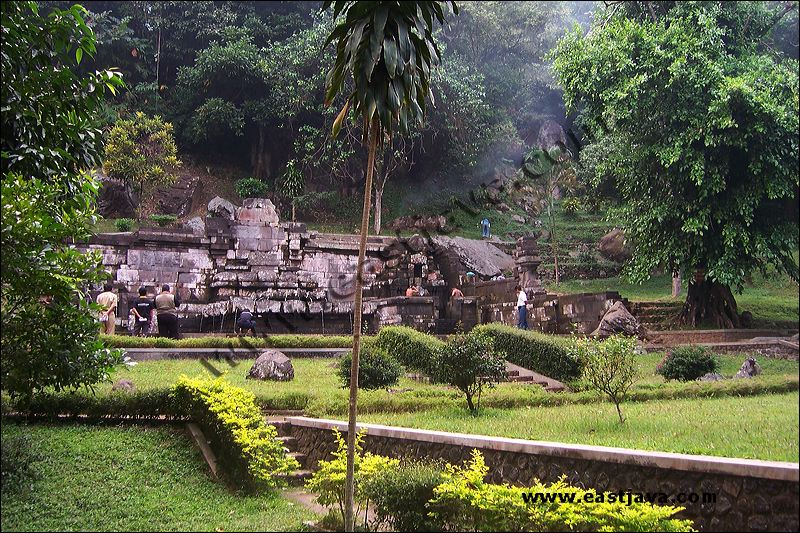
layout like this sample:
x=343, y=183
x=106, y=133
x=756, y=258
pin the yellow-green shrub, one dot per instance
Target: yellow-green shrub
x=415, y=350
x=247, y=446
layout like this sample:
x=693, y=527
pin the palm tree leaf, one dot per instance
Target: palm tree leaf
x=337, y=124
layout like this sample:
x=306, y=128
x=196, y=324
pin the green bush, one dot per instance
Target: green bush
x=376, y=368
x=250, y=188
x=469, y=362
x=142, y=150
x=17, y=455
x=465, y=502
x=246, y=445
x=609, y=366
x=687, y=363
x=163, y=220
x=415, y=350
x=123, y=224
x=400, y=496
x=541, y=353
x=328, y=482
x=571, y=205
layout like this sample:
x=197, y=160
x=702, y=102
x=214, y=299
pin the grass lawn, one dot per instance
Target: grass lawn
x=756, y=427
x=95, y=478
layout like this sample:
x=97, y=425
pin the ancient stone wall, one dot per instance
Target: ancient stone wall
x=750, y=495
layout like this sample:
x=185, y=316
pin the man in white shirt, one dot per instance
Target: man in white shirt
x=108, y=315
x=522, y=310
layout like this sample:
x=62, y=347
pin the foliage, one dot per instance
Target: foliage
x=267, y=341
x=401, y=496
x=163, y=220
x=50, y=137
x=377, y=368
x=541, y=353
x=465, y=502
x=415, y=350
x=123, y=224
x=17, y=455
x=609, y=366
x=687, y=363
x=328, y=482
x=704, y=119
x=250, y=188
x=469, y=362
x=245, y=444
x=141, y=150
x=571, y=205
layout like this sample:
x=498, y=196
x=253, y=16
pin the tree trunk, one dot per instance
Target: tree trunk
x=709, y=302
x=293, y=211
x=349, y=520
x=470, y=404
x=260, y=157
x=619, y=412
x=378, y=198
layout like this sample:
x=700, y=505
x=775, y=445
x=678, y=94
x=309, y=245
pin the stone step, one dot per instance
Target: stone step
x=282, y=426
x=299, y=457
x=296, y=478
x=288, y=442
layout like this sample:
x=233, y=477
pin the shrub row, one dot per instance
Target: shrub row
x=376, y=368
x=541, y=353
x=267, y=341
x=415, y=496
x=415, y=350
x=246, y=445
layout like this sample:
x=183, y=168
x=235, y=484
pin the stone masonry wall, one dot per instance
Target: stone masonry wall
x=750, y=495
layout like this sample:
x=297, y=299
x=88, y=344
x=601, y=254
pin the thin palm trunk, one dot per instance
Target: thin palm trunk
x=349, y=518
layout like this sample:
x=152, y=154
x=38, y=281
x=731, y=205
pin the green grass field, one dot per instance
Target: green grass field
x=95, y=478
x=757, y=427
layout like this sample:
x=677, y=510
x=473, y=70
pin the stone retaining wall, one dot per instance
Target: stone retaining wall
x=750, y=495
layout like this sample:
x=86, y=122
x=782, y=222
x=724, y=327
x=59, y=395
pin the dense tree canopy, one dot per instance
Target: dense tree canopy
x=50, y=138
x=702, y=116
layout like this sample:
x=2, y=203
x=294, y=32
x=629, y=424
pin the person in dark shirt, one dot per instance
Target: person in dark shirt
x=143, y=311
x=246, y=323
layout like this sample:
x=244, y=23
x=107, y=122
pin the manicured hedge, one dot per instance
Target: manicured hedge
x=267, y=341
x=541, y=353
x=246, y=445
x=415, y=350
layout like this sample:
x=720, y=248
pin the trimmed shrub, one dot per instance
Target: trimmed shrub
x=163, y=220
x=328, y=482
x=415, y=350
x=468, y=362
x=541, y=353
x=400, y=496
x=376, y=368
x=246, y=445
x=250, y=188
x=465, y=502
x=687, y=363
x=123, y=224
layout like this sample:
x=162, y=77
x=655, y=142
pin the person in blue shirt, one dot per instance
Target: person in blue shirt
x=485, y=228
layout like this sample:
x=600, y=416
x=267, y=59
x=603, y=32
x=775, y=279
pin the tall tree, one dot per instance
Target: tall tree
x=388, y=50
x=50, y=138
x=704, y=116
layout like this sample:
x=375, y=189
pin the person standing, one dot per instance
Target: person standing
x=522, y=310
x=142, y=309
x=485, y=226
x=167, y=313
x=108, y=315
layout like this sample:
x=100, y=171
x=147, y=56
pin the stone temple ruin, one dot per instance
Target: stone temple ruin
x=296, y=280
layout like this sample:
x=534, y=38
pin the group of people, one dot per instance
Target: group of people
x=164, y=307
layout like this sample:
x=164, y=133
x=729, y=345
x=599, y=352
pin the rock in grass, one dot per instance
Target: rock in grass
x=711, y=376
x=619, y=320
x=124, y=385
x=750, y=368
x=272, y=365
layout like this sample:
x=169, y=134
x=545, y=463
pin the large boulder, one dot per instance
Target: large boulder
x=257, y=212
x=613, y=247
x=551, y=135
x=221, y=208
x=749, y=369
x=477, y=256
x=176, y=199
x=272, y=365
x=619, y=320
x=197, y=225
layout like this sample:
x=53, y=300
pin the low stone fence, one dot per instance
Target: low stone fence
x=750, y=495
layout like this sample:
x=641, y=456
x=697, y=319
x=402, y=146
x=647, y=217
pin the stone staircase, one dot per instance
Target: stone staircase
x=298, y=477
x=656, y=315
x=518, y=374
